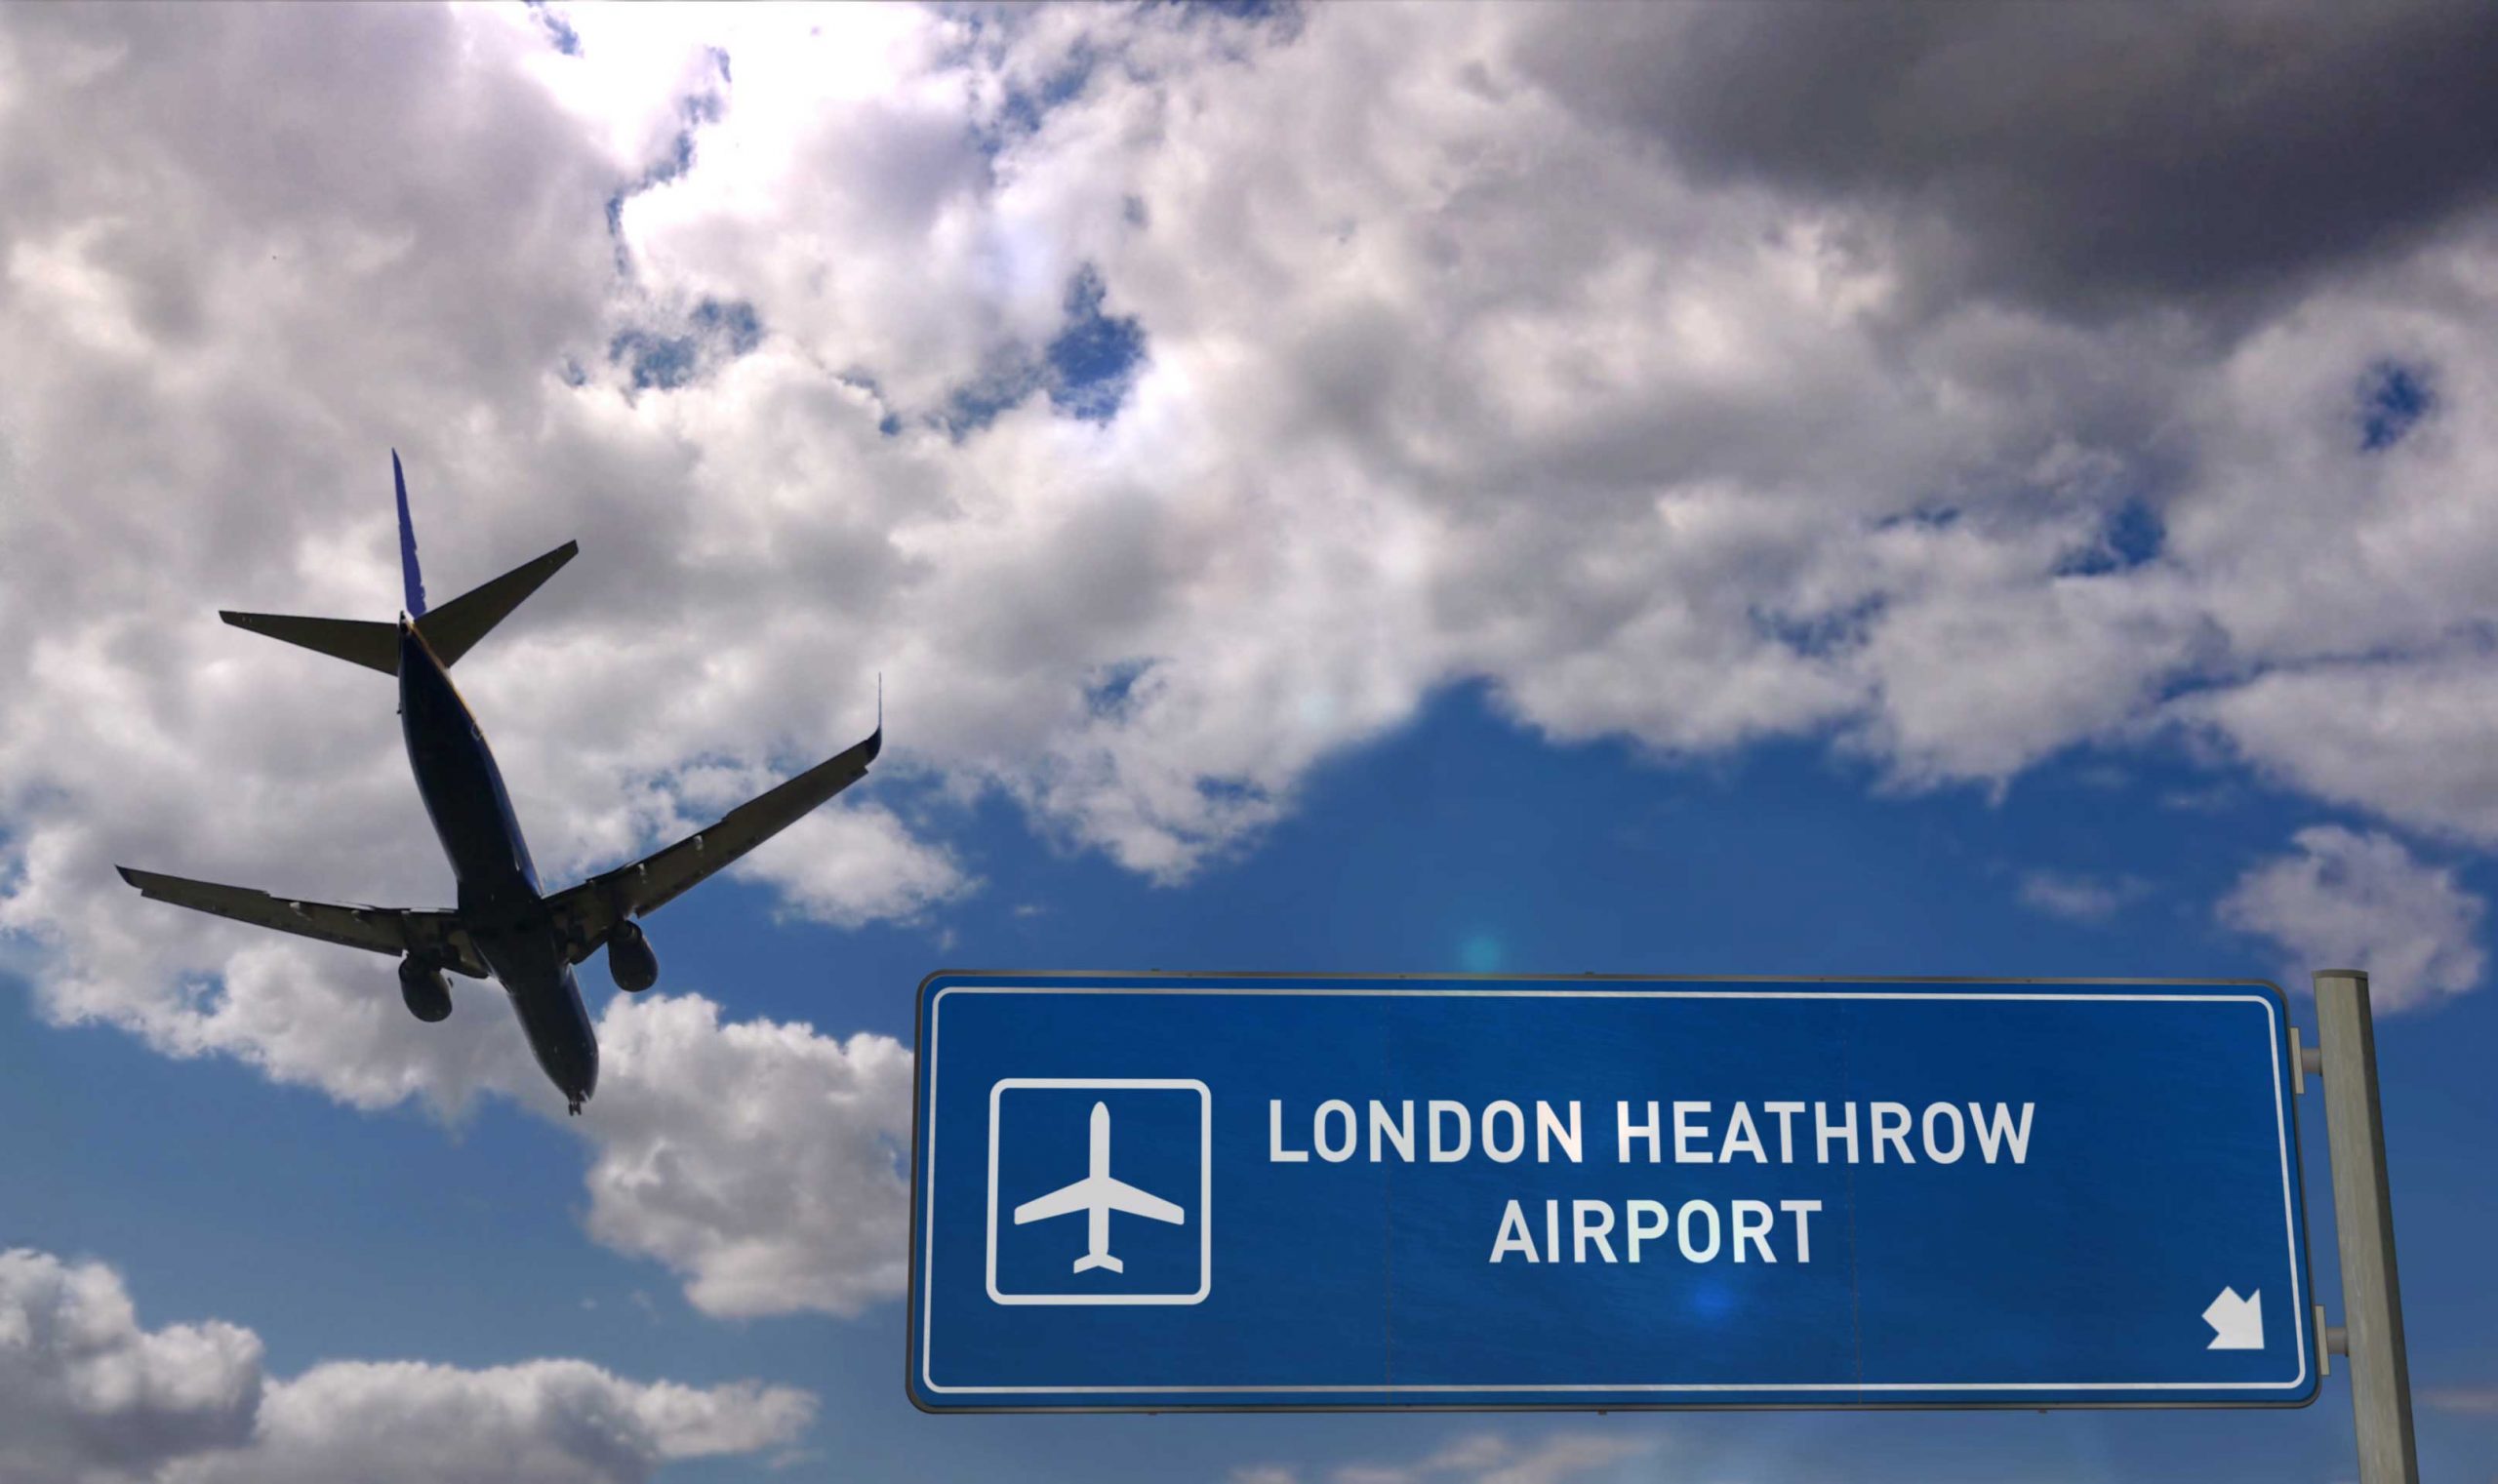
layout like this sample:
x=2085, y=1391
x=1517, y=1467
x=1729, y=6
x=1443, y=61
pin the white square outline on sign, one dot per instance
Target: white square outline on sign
x=1205, y=1194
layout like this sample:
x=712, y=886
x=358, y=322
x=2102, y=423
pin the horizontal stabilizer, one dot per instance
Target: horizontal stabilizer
x=454, y=628
x=452, y=631
x=375, y=646
x=1094, y=1260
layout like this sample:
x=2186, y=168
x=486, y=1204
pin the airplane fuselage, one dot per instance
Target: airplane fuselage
x=1097, y=1218
x=500, y=903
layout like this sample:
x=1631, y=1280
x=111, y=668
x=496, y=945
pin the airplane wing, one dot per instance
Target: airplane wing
x=435, y=936
x=1124, y=1196
x=1083, y=1195
x=585, y=914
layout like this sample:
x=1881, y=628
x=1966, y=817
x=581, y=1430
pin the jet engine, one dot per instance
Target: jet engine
x=421, y=985
x=629, y=959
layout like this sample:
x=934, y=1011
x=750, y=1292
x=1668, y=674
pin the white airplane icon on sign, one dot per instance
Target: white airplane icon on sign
x=1097, y=1196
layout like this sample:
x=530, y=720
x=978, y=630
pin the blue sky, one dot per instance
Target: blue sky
x=1651, y=489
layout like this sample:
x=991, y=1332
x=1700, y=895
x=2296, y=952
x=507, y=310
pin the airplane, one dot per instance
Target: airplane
x=506, y=926
x=1097, y=1196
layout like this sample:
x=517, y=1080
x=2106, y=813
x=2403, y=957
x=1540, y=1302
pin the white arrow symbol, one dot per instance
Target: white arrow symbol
x=2237, y=1324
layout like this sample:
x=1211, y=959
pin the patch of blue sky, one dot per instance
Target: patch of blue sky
x=2392, y=398
x=561, y=35
x=890, y=424
x=1087, y=368
x=1240, y=28
x=1820, y=635
x=2133, y=535
x=2136, y=533
x=615, y=233
x=694, y=111
x=1930, y=517
x=1011, y=374
x=679, y=159
x=1094, y=358
x=1231, y=791
x=1022, y=109
x=718, y=330
x=733, y=321
x=651, y=360
x=985, y=35
x=1106, y=694
x=1232, y=10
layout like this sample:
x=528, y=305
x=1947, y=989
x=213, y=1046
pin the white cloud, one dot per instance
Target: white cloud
x=855, y=864
x=1491, y=1458
x=2079, y=898
x=761, y=1161
x=2406, y=738
x=89, y=1395
x=1454, y=372
x=2352, y=900
x=544, y=1421
x=2469, y=1401
x=85, y=1393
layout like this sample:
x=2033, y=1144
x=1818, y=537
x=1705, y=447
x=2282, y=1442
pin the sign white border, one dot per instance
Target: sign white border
x=1205, y=1184
x=2299, y=1300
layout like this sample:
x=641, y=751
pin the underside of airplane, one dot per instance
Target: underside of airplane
x=504, y=925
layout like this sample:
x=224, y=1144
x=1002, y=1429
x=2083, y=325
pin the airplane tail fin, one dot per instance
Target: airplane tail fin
x=451, y=631
x=1091, y=1261
x=411, y=576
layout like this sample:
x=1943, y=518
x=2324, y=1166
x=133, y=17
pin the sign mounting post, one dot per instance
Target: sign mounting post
x=2363, y=1226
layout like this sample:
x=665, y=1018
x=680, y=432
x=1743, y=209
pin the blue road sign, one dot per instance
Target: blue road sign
x=1228, y=1191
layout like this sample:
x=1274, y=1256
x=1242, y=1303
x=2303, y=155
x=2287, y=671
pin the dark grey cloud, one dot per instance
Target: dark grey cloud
x=2090, y=158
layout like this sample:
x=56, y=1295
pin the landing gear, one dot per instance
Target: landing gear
x=574, y=1107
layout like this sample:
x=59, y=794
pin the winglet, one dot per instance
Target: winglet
x=409, y=575
x=877, y=739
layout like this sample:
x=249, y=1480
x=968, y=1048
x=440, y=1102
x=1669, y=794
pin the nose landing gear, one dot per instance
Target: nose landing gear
x=572, y=1107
